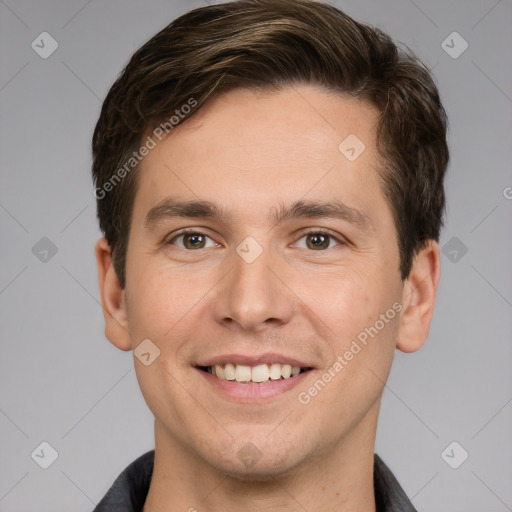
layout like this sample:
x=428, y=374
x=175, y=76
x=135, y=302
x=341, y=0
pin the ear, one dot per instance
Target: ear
x=418, y=298
x=112, y=298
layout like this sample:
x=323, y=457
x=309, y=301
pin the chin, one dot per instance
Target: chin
x=263, y=471
x=251, y=464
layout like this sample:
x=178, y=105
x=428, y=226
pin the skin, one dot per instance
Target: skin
x=248, y=153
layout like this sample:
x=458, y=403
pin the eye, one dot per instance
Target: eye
x=319, y=240
x=191, y=240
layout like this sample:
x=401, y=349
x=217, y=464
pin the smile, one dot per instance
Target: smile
x=253, y=374
x=249, y=379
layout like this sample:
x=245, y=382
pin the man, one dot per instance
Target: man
x=269, y=176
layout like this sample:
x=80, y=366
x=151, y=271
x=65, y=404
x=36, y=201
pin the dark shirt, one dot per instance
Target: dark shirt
x=129, y=491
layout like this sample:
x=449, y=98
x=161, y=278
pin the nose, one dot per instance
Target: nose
x=252, y=297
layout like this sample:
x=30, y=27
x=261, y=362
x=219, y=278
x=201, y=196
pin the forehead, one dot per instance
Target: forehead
x=299, y=118
x=253, y=150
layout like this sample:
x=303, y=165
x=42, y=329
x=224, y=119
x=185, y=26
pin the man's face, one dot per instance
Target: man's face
x=253, y=288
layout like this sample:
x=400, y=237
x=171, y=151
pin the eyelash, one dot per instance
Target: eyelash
x=312, y=231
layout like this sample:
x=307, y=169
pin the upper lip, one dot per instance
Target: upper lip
x=254, y=360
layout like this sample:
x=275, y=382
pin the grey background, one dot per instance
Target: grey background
x=62, y=382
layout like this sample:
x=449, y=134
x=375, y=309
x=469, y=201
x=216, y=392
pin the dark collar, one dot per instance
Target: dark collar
x=129, y=491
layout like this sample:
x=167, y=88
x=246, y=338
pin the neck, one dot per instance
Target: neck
x=339, y=478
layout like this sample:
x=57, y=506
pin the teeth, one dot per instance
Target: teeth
x=229, y=372
x=275, y=371
x=242, y=373
x=286, y=371
x=219, y=371
x=260, y=373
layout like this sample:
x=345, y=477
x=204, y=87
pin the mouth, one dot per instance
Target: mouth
x=261, y=373
x=253, y=380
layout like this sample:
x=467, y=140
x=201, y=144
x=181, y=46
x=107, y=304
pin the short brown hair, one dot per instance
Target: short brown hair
x=268, y=45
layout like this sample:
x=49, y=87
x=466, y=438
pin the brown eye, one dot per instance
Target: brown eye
x=318, y=241
x=191, y=240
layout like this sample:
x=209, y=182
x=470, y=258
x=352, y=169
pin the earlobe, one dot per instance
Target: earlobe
x=112, y=298
x=418, y=298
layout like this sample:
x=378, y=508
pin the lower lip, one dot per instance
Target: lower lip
x=251, y=392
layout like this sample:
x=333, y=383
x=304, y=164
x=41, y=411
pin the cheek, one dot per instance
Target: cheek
x=346, y=301
x=345, y=308
x=361, y=349
x=158, y=300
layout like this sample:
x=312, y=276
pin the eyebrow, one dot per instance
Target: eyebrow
x=172, y=207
